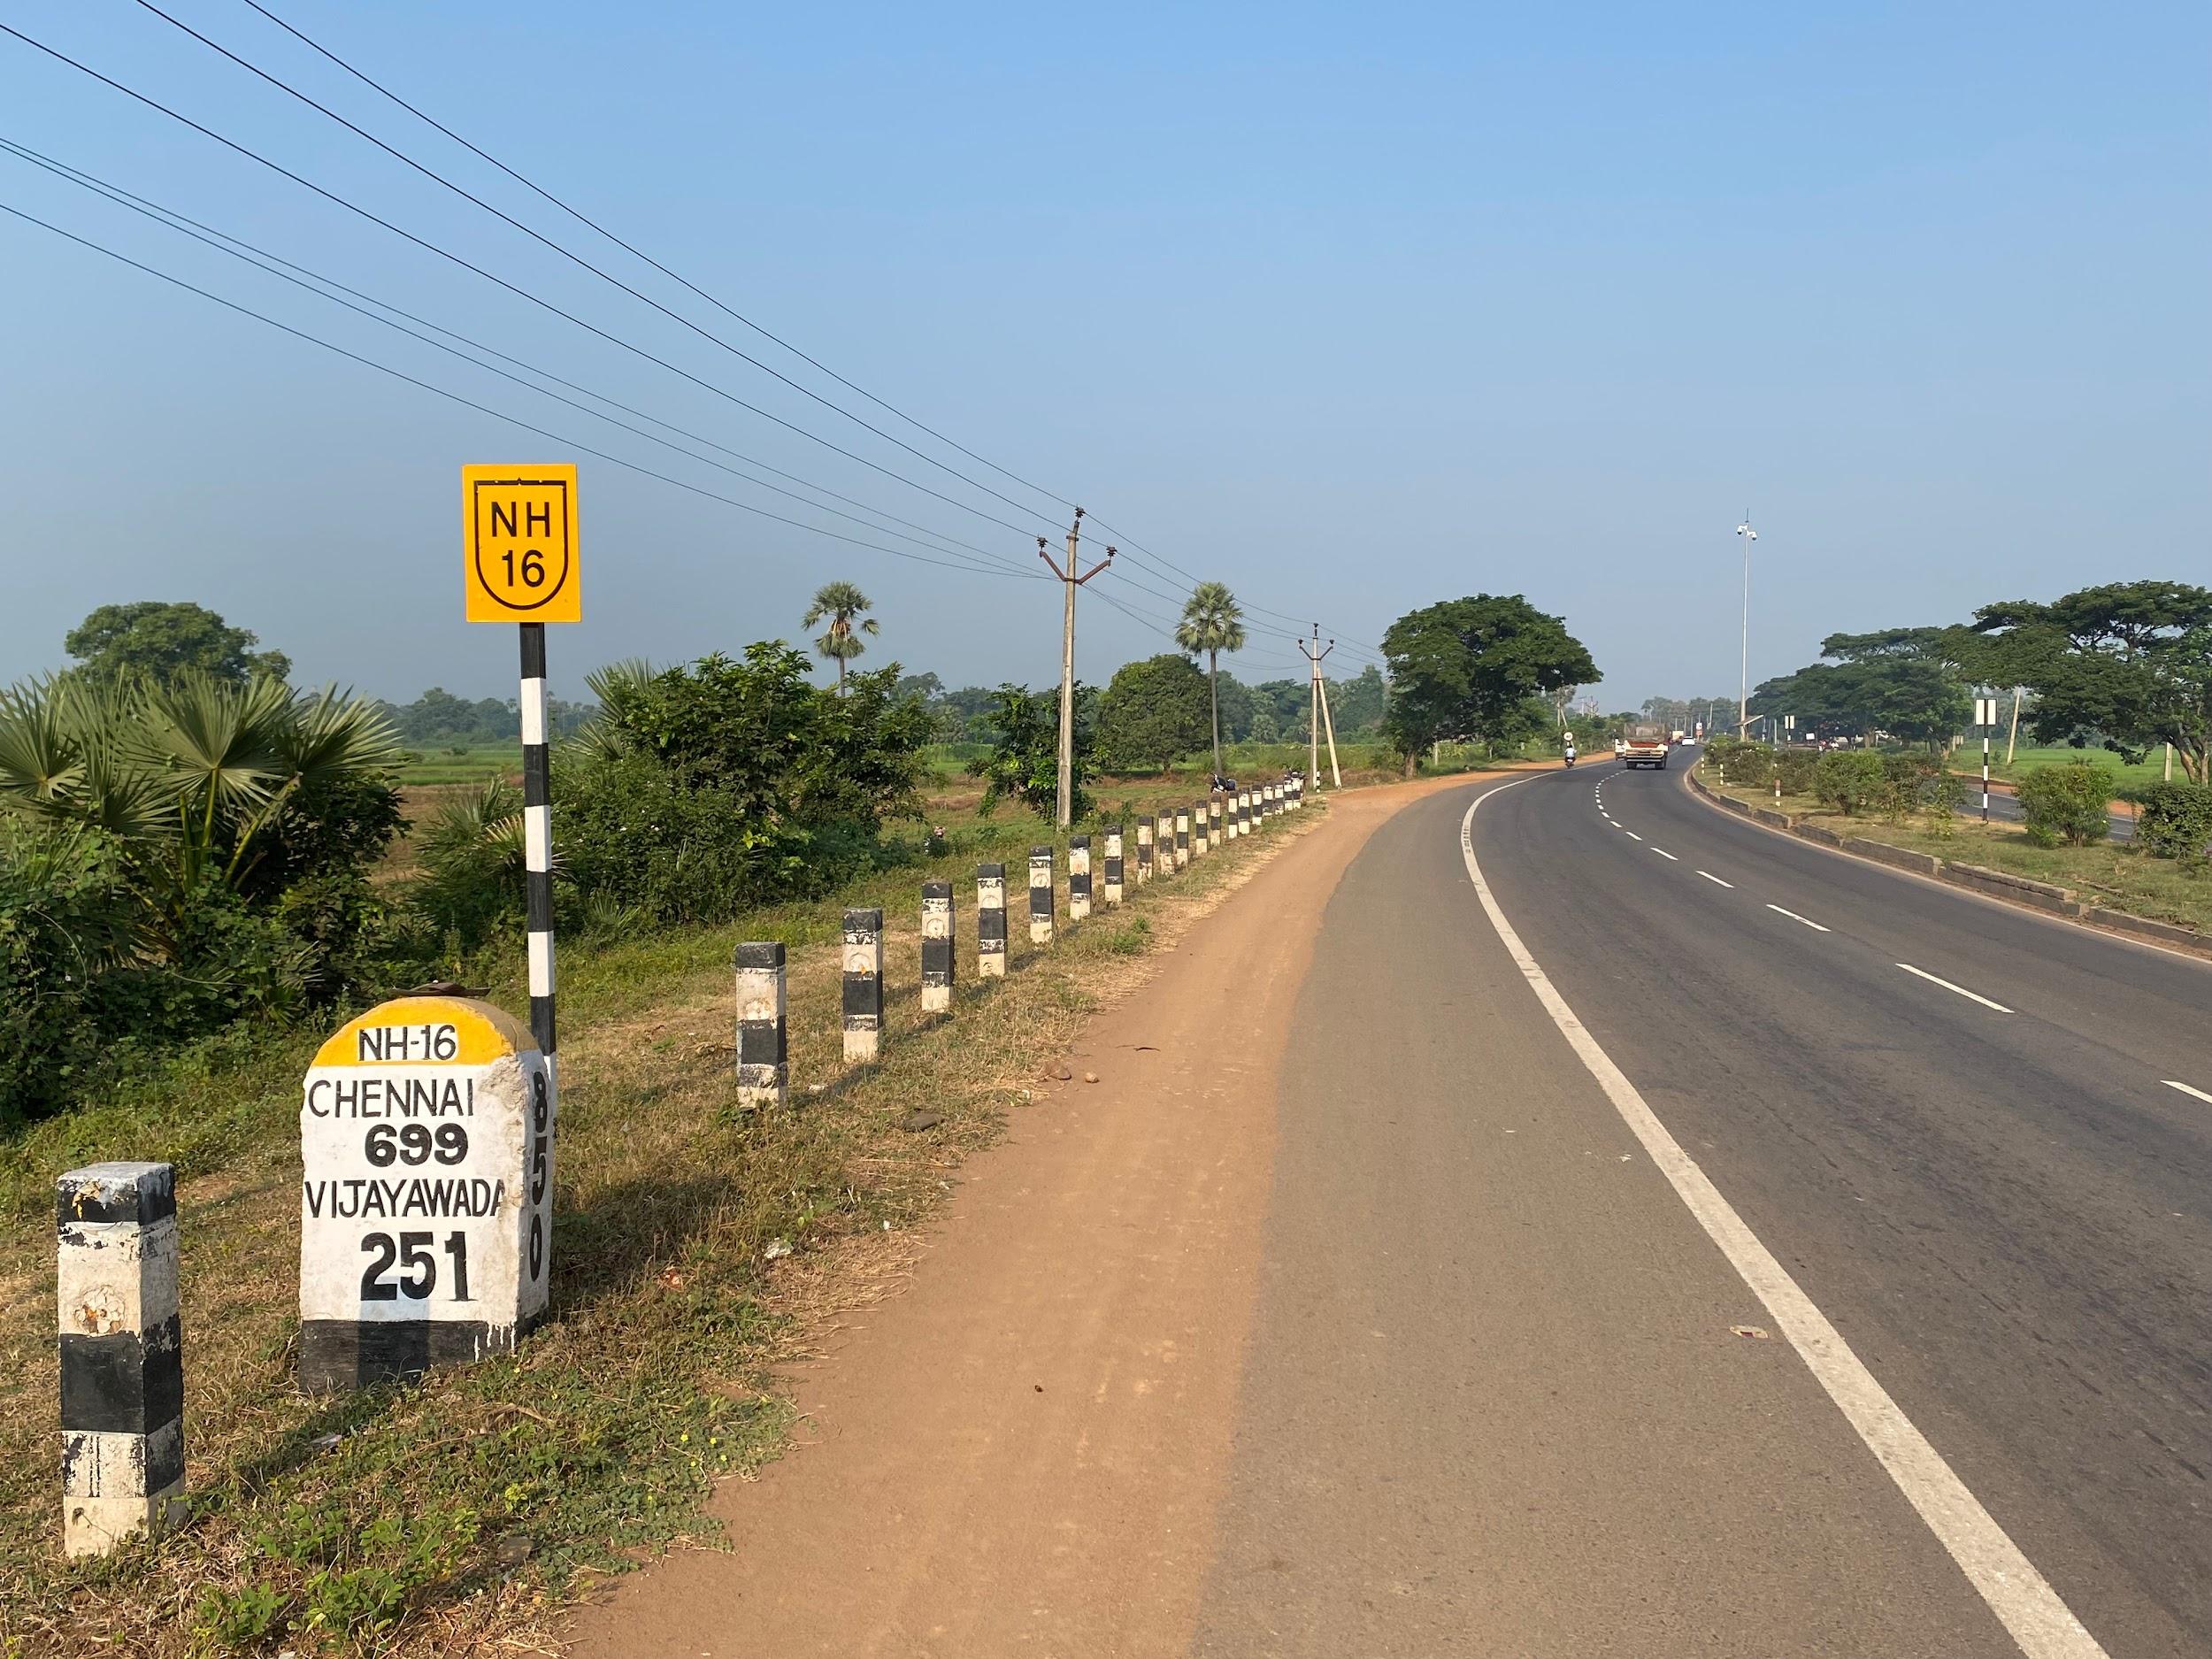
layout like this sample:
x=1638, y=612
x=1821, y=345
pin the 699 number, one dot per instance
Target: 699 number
x=415, y=1143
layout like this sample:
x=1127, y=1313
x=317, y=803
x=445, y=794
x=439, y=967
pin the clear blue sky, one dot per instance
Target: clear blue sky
x=1353, y=307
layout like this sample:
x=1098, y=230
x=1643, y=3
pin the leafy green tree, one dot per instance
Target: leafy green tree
x=2127, y=664
x=1918, y=698
x=1356, y=706
x=158, y=641
x=1025, y=759
x=1212, y=623
x=1154, y=711
x=840, y=604
x=1469, y=667
x=438, y=717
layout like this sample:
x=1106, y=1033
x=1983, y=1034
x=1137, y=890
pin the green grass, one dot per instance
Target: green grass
x=454, y=1514
x=2114, y=874
x=469, y=763
x=1968, y=763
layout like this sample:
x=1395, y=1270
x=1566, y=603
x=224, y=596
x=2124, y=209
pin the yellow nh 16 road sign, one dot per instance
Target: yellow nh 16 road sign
x=518, y=544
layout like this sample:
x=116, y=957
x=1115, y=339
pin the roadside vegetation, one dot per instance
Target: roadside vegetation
x=203, y=870
x=1910, y=800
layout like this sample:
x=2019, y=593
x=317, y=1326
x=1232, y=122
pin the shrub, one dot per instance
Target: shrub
x=2067, y=803
x=1850, y=780
x=1742, y=763
x=1797, y=766
x=2174, y=820
x=1942, y=796
x=1025, y=759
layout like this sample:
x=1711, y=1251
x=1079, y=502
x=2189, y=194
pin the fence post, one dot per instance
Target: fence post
x=1182, y=836
x=1213, y=819
x=1144, y=847
x=1244, y=811
x=122, y=1364
x=863, y=985
x=1198, y=830
x=937, y=948
x=1113, y=863
x=1041, y=896
x=763, y=1064
x=990, y=921
x=1079, y=876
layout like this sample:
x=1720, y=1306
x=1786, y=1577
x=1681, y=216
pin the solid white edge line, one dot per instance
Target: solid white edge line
x=1794, y=916
x=1663, y=853
x=1972, y=996
x=2185, y=1089
x=1715, y=880
x=2022, y=1599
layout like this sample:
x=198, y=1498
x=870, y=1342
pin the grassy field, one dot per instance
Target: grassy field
x=698, y=1247
x=472, y=763
x=2114, y=874
x=1967, y=761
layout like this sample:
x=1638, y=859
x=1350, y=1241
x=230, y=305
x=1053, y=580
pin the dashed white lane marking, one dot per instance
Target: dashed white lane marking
x=1633, y=836
x=2022, y=1599
x=1715, y=880
x=2185, y=1089
x=1971, y=996
x=1663, y=853
x=1794, y=916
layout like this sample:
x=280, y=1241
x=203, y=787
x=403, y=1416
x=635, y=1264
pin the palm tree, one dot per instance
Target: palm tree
x=1212, y=623
x=840, y=604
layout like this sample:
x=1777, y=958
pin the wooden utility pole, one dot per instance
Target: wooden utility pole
x=1070, y=579
x=1318, y=719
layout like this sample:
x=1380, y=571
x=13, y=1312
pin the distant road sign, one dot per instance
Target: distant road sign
x=518, y=544
x=1984, y=710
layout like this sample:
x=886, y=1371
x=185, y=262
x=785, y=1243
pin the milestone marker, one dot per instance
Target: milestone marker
x=864, y=986
x=1041, y=896
x=937, y=948
x=764, y=1065
x=427, y=1129
x=990, y=921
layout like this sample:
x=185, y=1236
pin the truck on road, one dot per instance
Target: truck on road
x=1646, y=746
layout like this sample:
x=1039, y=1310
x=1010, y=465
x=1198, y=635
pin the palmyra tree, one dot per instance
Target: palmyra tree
x=842, y=605
x=1212, y=623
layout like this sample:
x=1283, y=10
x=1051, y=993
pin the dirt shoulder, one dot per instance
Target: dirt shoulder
x=1023, y=1448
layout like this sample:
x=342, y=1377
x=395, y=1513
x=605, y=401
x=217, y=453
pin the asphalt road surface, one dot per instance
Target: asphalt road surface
x=1494, y=1404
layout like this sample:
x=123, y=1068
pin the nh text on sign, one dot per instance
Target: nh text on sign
x=518, y=544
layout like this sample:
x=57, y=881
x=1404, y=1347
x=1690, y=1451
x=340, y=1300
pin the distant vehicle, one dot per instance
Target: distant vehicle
x=1646, y=746
x=1679, y=734
x=1620, y=747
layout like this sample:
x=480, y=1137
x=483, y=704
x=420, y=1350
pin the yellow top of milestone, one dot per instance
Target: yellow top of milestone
x=410, y=1030
x=518, y=546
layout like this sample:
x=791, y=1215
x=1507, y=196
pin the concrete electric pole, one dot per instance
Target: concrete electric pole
x=1070, y=579
x=1318, y=719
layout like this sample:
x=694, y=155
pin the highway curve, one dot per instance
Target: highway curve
x=1494, y=1404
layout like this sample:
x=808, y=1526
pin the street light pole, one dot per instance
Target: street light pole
x=1747, y=535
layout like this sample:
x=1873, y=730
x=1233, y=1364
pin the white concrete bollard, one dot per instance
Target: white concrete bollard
x=938, y=970
x=864, y=986
x=1079, y=876
x=990, y=921
x=1113, y=863
x=122, y=1359
x=1041, y=896
x=763, y=1067
x=1144, y=847
x=1182, y=837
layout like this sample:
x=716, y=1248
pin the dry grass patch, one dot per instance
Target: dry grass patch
x=698, y=1247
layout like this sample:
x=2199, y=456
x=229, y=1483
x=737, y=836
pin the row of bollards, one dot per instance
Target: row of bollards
x=1165, y=843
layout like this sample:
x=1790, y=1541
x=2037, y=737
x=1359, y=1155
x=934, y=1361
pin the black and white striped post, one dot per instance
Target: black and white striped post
x=1113, y=863
x=1213, y=820
x=864, y=986
x=1079, y=876
x=1041, y=896
x=1201, y=838
x=1244, y=811
x=537, y=843
x=1182, y=837
x=1144, y=847
x=990, y=921
x=122, y=1363
x=763, y=1057
x=937, y=948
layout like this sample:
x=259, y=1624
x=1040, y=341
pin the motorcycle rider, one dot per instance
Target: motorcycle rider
x=1570, y=752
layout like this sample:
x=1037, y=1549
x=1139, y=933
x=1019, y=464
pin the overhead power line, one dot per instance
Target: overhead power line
x=1145, y=553
x=306, y=279
x=496, y=414
x=638, y=253
x=576, y=258
x=521, y=293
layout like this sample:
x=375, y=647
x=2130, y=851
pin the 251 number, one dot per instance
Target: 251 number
x=533, y=568
x=412, y=1251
